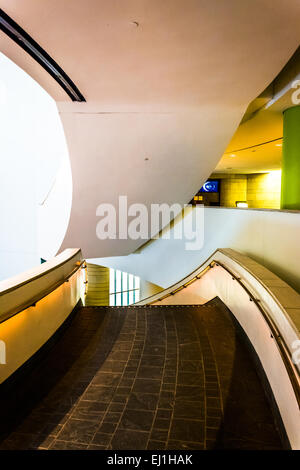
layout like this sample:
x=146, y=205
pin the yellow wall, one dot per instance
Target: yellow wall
x=98, y=285
x=260, y=190
x=263, y=190
x=233, y=188
x=25, y=333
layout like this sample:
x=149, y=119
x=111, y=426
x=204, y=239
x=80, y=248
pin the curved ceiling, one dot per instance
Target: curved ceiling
x=183, y=55
x=256, y=145
x=24, y=40
x=166, y=86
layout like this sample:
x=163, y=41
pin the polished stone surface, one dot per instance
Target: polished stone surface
x=170, y=377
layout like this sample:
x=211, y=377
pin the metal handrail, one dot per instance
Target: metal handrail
x=292, y=371
x=275, y=332
x=27, y=281
x=32, y=302
x=186, y=284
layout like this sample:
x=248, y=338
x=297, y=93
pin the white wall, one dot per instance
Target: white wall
x=161, y=156
x=270, y=237
x=163, y=100
x=33, y=154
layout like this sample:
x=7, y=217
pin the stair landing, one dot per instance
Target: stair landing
x=169, y=377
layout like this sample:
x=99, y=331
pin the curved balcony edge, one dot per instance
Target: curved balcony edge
x=268, y=311
x=34, y=304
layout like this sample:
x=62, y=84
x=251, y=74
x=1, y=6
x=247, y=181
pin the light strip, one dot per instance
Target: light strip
x=17, y=34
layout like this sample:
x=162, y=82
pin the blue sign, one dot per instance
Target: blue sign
x=211, y=186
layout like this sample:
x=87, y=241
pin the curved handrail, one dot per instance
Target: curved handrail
x=284, y=351
x=178, y=285
x=280, y=342
x=76, y=262
x=41, y=274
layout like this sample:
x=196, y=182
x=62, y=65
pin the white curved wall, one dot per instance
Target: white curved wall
x=54, y=211
x=32, y=158
x=269, y=237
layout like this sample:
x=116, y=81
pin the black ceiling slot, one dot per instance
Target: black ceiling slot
x=17, y=34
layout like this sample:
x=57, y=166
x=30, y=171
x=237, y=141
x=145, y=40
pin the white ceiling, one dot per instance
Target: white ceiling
x=185, y=54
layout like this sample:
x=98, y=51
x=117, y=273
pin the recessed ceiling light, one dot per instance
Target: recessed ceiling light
x=232, y=155
x=278, y=145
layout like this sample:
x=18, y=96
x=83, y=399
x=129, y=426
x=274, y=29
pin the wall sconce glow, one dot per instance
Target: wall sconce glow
x=273, y=180
x=275, y=174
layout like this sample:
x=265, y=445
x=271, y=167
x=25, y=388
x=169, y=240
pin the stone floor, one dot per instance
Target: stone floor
x=142, y=378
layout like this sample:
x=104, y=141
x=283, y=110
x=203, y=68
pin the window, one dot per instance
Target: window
x=124, y=288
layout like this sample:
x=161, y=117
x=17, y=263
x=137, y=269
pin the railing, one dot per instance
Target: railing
x=31, y=302
x=282, y=330
x=281, y=344
x=34, y=304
